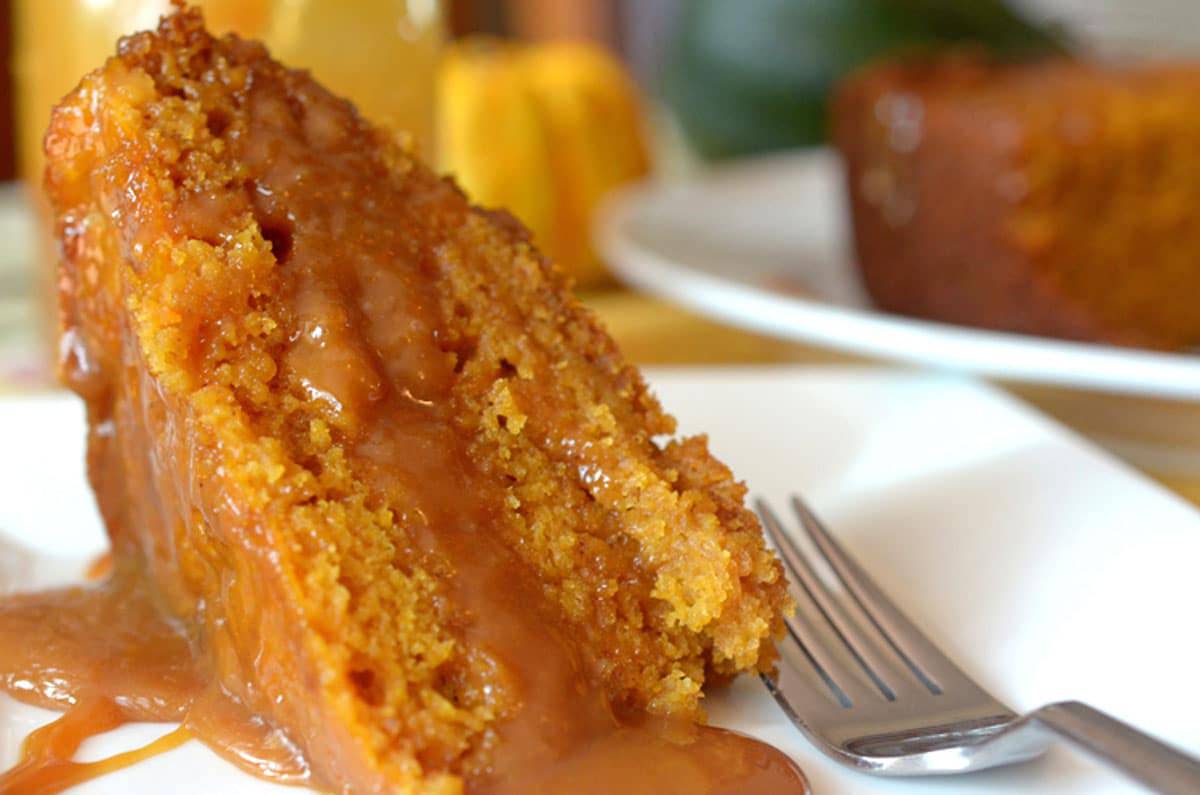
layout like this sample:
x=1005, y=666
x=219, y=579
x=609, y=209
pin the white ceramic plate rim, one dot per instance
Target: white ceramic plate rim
x=862, y=331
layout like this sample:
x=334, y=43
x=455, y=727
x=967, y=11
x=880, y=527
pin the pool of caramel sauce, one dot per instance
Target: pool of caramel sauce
x=105, y=654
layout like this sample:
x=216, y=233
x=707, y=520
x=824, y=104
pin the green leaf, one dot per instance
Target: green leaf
x=748, y=77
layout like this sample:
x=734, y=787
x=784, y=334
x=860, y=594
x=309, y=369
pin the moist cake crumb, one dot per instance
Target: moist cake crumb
x=363, y=439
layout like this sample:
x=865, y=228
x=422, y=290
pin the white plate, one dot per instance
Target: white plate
x=1046, y=568
x=764, y=244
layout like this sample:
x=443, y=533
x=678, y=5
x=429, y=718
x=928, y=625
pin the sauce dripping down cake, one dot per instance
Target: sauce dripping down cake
x=379, y=490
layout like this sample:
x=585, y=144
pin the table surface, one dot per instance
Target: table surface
x=1159, y=437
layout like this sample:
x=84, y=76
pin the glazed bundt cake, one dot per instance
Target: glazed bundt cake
x=1056, y=198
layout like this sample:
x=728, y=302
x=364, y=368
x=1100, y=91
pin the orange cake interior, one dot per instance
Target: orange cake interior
x=363, y=441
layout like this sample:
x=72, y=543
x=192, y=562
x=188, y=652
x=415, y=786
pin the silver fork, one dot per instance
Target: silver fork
x=871, y=691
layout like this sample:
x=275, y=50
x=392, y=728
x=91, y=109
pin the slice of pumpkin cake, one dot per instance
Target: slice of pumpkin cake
x=404, y=495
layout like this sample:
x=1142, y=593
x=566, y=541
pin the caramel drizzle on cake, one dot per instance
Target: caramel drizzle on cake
x=393, y=498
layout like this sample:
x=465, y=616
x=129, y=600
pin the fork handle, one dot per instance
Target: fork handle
x=1155, y=764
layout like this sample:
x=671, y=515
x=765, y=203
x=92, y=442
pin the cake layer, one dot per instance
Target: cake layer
x=402, y=492
x=1055, y=198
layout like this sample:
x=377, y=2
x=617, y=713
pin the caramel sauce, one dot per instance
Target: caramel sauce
x=105, y=654
x=100, y=568
x=47, y=766
x=565, y=738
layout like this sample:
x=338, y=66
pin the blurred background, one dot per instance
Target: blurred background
x=551, y=107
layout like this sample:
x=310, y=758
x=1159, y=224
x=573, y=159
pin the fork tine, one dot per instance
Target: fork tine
x=878, y=658
x=925, y=659
x=841, y=675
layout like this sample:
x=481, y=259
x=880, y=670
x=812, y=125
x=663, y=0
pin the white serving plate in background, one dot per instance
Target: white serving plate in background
x=764, y=244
